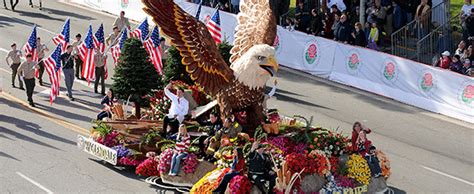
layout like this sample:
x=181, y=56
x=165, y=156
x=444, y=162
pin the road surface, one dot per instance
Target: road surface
x=428, y=152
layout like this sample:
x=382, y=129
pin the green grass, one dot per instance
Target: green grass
x=456, y=6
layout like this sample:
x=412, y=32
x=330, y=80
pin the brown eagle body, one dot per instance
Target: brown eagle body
x=236, y=88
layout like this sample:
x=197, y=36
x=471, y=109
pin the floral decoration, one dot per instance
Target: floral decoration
x=240, y=185
x=358, y=169
x=165, y=161
x=190, y=163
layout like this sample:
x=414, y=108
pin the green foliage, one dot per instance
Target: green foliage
x=175, y=70
x=102, y=128
x=135, y=75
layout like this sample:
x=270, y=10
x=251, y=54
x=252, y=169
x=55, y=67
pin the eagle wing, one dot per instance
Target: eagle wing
x=201, y=56
x=256, y=25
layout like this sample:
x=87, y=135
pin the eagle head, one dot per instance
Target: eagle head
x=256, y=66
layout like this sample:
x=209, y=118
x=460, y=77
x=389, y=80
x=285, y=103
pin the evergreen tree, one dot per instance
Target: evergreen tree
x=224, y=49
x=135, y=75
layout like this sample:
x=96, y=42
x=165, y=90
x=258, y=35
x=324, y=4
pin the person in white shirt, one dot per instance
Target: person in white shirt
x=179, y=108
x=122, y=22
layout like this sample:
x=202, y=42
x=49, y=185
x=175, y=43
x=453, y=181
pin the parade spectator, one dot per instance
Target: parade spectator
x=235, y=6
x=339, y=4
x=15, y=56
x=178, y=109
x=456, y=64
x=302, y=16
x=470, y=53
x=466, y=8
x=183, y=141
x=334, y=25
x=68, y=70
x=27, y=71
x=467, y=53
x=12, y=4
x=467, y=68
x=373, y=37
x=397, y=16
x=423, y=18
x=316, y=23
x=290, y=24
x=356, y=129
x=42, y=49
x=445, y=60
x=461, y=48
x=77, y=58
x=373, y=162
x=260, y=168
x=107, y=102
x=238, y=167
x=122, y=22
x=343, y=30
x=112, y=39
x=99, y=61
x=359, y=36
x=468, y=28
x=363, y=144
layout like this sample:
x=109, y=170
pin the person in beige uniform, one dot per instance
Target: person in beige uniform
x=14, y=55
x=112, y=39
x=27, y=71
x=42, y=49
x=99, y=60
x=77, y=60
x=122, y=22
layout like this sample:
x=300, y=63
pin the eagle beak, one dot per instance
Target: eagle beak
x=271, y=66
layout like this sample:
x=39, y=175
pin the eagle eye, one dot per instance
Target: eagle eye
x=260, y=58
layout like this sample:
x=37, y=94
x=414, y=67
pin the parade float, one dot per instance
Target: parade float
x=304, y=159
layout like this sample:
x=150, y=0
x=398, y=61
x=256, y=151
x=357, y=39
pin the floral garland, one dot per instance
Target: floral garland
x=149, y=166
x=109, y=140
x=122, y=151
x=240, y=185
x=129, y=161
x=190, y=163
x=344, y=181
x=165, y=161
x=321, y=163
x=329, y=143
x=384, y=163
x=210, y=181
x=358, y=169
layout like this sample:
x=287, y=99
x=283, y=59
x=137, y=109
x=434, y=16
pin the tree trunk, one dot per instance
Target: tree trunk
x=137, y=110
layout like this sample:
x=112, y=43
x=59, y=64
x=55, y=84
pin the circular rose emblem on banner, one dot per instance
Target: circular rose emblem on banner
x=277, y=43
x=467, y=94
x=353, y=63
x=311, y=53
x=390, y=71
x=427, y=82
x=124, y=4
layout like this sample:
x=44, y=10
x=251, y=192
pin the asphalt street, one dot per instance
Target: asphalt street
x=429, y=152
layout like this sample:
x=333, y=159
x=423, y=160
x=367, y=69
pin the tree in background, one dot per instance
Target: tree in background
x=135, y=76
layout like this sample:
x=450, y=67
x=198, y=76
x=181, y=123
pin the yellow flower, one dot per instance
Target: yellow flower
x=358, y=169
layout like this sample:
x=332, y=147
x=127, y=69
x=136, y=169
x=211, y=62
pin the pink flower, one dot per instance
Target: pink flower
x=354, y=58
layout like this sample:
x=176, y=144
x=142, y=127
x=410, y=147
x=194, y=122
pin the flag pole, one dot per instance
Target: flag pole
x=116, y=38
x=49, y=41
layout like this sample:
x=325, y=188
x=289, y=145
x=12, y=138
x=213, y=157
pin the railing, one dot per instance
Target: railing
x=443, y=38
x=404, y=40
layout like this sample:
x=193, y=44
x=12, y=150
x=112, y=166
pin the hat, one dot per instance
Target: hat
x=446, y=53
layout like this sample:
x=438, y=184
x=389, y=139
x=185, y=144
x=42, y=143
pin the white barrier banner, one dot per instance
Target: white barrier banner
x=403, y=80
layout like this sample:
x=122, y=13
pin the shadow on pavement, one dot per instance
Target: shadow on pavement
x=37, y=15
x=286, y=98
x=66, y=13
x=2, y=154
x=26, y=138
x=63, y=113
x=7, y=21
x=395, y=190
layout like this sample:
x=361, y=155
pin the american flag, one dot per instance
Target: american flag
x=99, y=42
x=141, y=32
x=116, y=50
x=198, y=12
x=63, y=38
x=30, y=46
x=53, y=66
x=152, y=46
x=214, y=27
x=86, y=52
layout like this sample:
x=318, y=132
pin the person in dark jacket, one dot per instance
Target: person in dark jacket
x=213, y=124
x=343, y=30
x=238, y=168
x=467, y=68
x=397, y=16
x=456, y=64
x=316, y=23
x=359, y=35
x=107, y=102
x=373, y=162
x=260, y=170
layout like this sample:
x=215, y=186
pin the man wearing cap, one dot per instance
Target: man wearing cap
x=27, y=71
x=99, y=62
x=260, y=170
x=445, y=60
x=42, y=49
x=14, y=55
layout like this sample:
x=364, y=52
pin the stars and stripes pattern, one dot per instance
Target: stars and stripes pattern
x=214, y=27
x=116, y=50
x=99, y=42
x=52, y=66
x=86, y=52
x=141, y=32
x=63, y=38
x=152, y=46
x=198, y=12
x=30, y=47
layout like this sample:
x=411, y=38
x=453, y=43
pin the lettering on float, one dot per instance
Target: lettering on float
x=96, y=149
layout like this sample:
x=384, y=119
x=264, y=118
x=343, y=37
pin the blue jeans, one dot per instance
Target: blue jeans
x=175, y=161
x=69, y=79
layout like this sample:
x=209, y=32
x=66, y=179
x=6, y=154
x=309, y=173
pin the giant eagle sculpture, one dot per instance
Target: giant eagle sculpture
x=239, y=87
